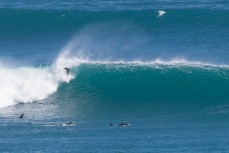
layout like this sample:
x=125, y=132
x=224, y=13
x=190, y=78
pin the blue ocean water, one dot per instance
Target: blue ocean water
x=166, y=75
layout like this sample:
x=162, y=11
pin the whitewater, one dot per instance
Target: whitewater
x=31, y=83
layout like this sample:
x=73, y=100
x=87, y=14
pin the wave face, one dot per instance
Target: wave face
x=154, y=83
x=167, y=86
x=148, y=89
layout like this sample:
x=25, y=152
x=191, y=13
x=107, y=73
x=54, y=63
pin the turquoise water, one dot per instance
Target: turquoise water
x=167, y=76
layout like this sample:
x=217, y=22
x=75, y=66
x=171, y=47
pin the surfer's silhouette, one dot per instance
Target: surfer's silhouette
x=124, y=124
x=67, y=70
x=21, y=116
x=69, y=123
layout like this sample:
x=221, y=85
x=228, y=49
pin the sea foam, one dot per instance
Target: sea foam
x=28, y=84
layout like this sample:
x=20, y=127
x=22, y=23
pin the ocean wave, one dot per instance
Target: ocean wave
x=28, y=84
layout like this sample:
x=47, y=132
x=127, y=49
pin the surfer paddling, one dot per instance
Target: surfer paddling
x=124, y=124
x=69, y=123
x=67, y=70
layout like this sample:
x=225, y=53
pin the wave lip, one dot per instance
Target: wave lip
x=65, y=58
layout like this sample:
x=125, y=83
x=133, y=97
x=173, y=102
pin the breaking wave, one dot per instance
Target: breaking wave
x=28, y=84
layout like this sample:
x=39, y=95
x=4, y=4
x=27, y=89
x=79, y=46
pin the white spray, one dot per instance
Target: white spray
x=28, y=84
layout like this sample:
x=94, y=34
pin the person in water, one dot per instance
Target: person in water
x=123, y=123
x=69, y=123
x=21, y=116
x=67, y=70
